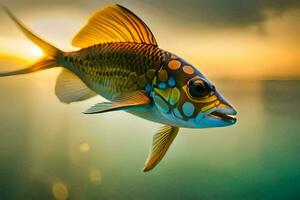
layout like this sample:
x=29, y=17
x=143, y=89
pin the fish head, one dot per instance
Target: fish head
x=186, y=98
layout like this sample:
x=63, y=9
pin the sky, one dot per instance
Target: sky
x=236, y=39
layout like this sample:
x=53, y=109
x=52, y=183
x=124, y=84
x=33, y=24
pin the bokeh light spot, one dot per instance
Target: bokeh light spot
x=84, y=147
x=95, y=176
x=60, y=191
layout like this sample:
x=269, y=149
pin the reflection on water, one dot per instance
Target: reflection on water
x=50, y=150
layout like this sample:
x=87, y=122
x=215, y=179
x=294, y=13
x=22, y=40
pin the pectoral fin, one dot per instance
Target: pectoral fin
x=121, y=102
x=69, y=88
x=161, y=143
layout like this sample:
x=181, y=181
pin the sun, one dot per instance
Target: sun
x=37, y=52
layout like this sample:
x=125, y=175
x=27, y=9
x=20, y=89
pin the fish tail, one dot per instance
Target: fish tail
x=52, y=54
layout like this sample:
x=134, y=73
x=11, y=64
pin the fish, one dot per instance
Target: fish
x=120, y=60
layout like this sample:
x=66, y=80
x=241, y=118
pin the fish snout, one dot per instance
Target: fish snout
x=225, y=111
x=225, y=106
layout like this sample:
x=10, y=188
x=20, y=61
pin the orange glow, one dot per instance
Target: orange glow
x=240, y=53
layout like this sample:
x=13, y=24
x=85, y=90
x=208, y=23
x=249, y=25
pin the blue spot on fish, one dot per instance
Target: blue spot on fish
x=162, y=85
x=148, y=88
x=177, y=113
x=188, y=109
x=171, y=81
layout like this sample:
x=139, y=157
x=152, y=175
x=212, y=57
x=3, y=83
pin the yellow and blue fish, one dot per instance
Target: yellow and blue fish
x=120, y=60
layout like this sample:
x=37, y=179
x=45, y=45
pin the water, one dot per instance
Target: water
x=51, y=150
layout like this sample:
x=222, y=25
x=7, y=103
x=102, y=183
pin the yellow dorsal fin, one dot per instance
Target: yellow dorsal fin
x=113, y=24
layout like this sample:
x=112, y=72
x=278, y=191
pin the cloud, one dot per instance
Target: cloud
x=232, y=13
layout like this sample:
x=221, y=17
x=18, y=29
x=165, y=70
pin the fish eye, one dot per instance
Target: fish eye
x=199, y=88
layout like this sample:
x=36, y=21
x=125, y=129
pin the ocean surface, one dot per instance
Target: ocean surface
x=50, y=150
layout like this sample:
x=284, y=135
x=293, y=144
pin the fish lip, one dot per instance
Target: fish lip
x=226, y=115
x=222, y=116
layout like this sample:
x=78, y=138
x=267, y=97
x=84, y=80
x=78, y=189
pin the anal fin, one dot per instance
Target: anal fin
x=162, y=140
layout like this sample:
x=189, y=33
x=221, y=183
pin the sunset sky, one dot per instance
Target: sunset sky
x=224, y=39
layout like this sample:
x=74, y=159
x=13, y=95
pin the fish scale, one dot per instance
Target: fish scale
x=112, y=68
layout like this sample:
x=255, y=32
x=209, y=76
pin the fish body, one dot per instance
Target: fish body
x=115, y=68
x=120, y=60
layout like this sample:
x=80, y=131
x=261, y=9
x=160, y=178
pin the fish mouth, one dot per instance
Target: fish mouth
x=231, y=118
x=224, y=113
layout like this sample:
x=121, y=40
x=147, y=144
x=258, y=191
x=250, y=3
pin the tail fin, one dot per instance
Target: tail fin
x=53, y=54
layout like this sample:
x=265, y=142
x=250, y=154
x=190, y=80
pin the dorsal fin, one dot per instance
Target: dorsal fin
x=113, y=24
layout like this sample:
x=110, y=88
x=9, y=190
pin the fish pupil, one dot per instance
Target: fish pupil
x=199, y=88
